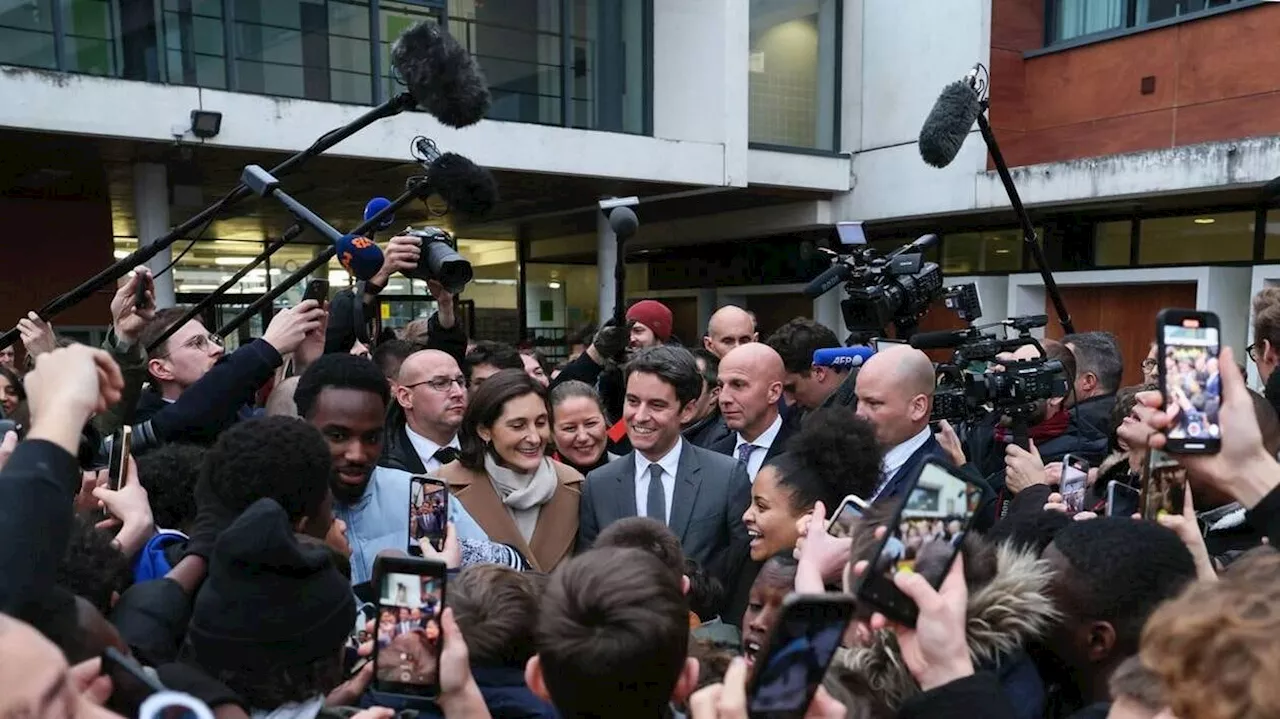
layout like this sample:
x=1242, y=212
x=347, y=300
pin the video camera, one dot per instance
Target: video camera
x=880, y=290
x=965, y=394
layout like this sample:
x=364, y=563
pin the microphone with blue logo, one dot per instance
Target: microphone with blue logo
x=842, y=359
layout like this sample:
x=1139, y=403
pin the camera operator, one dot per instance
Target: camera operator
x=1099, y=369
x=1053, y=428
x=807, y=386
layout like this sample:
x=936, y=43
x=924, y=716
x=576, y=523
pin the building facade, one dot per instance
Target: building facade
x=1140, y=132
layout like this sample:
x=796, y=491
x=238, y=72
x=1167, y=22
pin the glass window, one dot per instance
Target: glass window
x=1272, y=229
x=560, y=300
x=89, y=37
x=792, y=85
x=1111, y=243
x=986, y=251
x=1196, y=239
x=194, y=52
x=26, y=34
x=393, y=19
x=1068, y=19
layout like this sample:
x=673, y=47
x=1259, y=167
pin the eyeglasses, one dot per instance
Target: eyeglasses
x=1254, y=351
x=1148, y=365
x=442, y=384
x=200, y=343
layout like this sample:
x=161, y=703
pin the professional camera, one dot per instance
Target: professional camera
x=964, y=393
x=440, y=260
x=880, y=289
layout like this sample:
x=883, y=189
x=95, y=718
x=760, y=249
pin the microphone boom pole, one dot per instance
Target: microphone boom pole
x=118, y=269
x=321, y=259
x=1028, y=229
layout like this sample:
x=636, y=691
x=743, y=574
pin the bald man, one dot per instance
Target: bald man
x=895, y=393
x=729, y=327
x=750, y=380
x=431, y=391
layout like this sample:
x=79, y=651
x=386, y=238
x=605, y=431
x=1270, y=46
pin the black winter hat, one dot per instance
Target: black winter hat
x=269, y=600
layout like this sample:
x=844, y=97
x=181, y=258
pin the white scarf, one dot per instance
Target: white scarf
x=523, y=494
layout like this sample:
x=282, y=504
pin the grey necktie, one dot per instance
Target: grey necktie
x=656, y=504
x=744, y=452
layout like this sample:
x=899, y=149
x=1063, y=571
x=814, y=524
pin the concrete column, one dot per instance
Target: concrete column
x=606, y=262
x=151, y=209
x=706, y=308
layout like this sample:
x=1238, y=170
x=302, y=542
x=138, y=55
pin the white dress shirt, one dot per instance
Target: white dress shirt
x=427, y=449
x=762, y=445
x=669, y=463
x=898, y=456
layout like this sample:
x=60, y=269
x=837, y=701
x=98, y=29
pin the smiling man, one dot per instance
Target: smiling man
x=346, y=397
x=431, y=393
x=666, y=478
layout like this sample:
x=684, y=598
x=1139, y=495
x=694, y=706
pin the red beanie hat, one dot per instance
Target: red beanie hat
x=654, y=315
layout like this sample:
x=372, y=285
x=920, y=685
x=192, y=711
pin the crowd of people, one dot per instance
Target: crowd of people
x=623, y=530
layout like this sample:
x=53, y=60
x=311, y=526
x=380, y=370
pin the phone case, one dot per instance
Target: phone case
x=1197, y=411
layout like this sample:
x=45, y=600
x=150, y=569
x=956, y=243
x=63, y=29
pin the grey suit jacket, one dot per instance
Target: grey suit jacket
x=711, y=493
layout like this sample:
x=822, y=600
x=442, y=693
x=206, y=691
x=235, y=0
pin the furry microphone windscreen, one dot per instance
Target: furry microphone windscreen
x=948, y=124
x=467, y=188
x=441, y=75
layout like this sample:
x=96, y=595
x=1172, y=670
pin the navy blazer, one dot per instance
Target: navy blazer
x=711, y=494
x=898, y=485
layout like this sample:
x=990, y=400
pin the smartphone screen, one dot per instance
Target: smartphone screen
x=804, y=640
x=411, y=596
x=937, y=508
x=1189, y=378
x=1075, y=479
x=118, y=467
x=428, y=512
x=1163, y=486
x=1122, y=500
x=846, y=516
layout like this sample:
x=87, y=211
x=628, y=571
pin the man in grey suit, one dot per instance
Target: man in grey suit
x=699, y=494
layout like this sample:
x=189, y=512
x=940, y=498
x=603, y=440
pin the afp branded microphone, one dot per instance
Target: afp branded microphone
x=441, y=75
x=360, y=256
x=948, y=124
x=842, y=357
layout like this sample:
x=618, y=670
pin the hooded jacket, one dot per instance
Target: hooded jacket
x=1004, y=616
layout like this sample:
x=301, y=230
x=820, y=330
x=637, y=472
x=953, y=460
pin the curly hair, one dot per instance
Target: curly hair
x=284, y=684
x=706, y=592
x=283, y=458
x=833, y=455
x=1214, y=646
x=169, y=474
x=339, y=370
x=92, y=567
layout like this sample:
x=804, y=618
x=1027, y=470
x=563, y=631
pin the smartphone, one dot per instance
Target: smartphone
x=131, y=684
x=1163, y=486
x=800, y=647
x=118, y=466
x=317, y=290
x=141, y=298
x=1187, y=354
x=406, y=653
x=1075, y=479
x=848, y=513
x=428, y=512
x=1122, y=500
x=937, y=507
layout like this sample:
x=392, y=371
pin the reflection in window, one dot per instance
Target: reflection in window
x=316, y=50
x=1111, y=243
x=89, y=36
x=987, y=251
x=792, y=84
x=1196, y=239
x=26, y=34
x=1068, y=19
x=193, y=41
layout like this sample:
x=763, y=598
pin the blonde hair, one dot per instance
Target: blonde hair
x=1214, y=647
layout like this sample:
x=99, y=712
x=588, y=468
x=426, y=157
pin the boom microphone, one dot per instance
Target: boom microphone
x=442, y=76
x=948, y=124
x=842, y=357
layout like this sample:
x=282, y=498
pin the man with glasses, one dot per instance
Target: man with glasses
x=431, y=393
x=195, y=392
